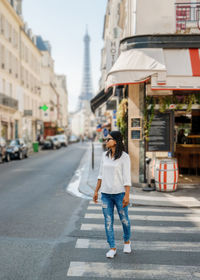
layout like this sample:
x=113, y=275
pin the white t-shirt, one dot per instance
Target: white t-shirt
x=115, y=174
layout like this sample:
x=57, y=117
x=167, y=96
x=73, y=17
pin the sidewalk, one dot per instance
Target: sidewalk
x=186, y=196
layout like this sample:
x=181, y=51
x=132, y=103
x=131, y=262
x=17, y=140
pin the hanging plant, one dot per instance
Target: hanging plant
x=165, y=103
x=149, y=112
x=189, y=100
x=122, y=112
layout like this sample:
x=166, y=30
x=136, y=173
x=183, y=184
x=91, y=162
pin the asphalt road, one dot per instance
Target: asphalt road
x=37, y=214
x=47, y=234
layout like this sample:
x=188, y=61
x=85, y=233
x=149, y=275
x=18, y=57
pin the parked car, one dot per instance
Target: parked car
x=56, y=142
x=17, y=149
x=62, y=139
x=51, y=142
x=73, y=139
x=4, y=156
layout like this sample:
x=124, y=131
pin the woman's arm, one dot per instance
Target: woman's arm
x=95, y=197
x=126, y=196
x=127, y=180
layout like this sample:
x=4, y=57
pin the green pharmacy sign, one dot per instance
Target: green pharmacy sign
x=44, y=107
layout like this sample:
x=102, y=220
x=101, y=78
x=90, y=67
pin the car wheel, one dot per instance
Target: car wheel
x=26, y=155
x=8, y=157
x=1, y=160
x=20, y=155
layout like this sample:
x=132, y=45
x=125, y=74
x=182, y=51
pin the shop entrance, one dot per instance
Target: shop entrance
x=175, y=129
x=187, y=144
x=4, y=130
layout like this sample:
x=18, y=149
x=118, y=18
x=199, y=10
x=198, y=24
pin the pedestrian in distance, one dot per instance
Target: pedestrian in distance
x=114, y=181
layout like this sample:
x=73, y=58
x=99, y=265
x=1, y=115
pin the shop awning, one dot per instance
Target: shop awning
x=168, y=68
x=100, y=98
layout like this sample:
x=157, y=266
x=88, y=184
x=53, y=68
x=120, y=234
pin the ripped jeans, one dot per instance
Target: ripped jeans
x=108, y=203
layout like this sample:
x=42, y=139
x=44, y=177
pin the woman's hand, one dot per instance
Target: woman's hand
x=95, y=197
x=126, y=200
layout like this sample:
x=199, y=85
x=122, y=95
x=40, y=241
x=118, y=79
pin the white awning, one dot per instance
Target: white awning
x=168, y=68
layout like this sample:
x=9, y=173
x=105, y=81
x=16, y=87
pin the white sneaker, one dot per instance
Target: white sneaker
x=111, y=253
x=127, y=248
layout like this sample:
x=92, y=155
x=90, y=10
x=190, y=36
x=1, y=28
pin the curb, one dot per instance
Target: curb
x=87, y=189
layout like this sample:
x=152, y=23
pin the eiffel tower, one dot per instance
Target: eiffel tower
x=86, y=92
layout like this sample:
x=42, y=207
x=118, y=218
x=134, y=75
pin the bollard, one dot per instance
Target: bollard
x=92, y=155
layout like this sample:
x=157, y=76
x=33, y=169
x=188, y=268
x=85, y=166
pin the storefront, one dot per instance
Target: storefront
x=50, y=129
x=162, y=73
x=175, y=129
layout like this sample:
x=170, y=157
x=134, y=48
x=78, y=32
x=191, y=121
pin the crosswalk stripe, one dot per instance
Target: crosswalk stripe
x=155, y=229
x=141, y=245
x=144, y=271
x=187, y=218
x=151, y=209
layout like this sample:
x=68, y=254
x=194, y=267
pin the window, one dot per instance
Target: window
x=6, y=29
x=4, y=86
x=27, y=80
x=22, y=78
x=6, y=59
x=9, y=62
x=22, y=51
x=187, y=15
x=16, y=68
x=2, y=57
x=26, y=54
x=9, y=32
x=2, y=24
x=115, y=32
x=10, y=90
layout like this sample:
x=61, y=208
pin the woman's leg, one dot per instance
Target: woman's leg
x=108, y=212
x=123, y=215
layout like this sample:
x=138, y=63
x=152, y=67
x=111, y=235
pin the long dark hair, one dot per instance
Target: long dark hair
x=117, y=136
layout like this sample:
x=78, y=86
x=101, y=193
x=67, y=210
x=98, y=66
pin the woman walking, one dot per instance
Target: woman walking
x=114, y=180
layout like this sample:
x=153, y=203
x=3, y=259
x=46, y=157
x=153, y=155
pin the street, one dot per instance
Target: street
x=37, y=214
x=48, y=234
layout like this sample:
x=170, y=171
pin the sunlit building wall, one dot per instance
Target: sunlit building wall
x=11, y=99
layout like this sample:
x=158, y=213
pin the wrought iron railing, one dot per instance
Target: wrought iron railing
x=187, y=15
x=8, y=101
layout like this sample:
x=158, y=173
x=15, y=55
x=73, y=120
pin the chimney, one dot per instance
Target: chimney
x=19, y=7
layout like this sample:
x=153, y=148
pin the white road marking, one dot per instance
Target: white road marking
x=155, y=229
x=144, y=271
x=141, y=245
x=152, y=209
x=186, y=218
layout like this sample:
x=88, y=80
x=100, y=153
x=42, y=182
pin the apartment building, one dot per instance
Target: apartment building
x=61, y=87
x=31, y=84
x=11, y=109
x=27, y=79
x=112, y=33
x=159, y=60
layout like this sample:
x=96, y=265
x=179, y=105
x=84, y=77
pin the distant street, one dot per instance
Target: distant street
x=36, y=212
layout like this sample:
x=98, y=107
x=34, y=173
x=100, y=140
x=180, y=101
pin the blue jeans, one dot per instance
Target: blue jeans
x=108, y=203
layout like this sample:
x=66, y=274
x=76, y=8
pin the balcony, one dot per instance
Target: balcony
x=8, y=101
x=28, y=113
x=188, y=16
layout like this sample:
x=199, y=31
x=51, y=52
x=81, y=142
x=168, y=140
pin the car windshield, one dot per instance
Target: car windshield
x=14, y=142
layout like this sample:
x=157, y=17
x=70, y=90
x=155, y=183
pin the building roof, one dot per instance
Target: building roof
x=43, y=45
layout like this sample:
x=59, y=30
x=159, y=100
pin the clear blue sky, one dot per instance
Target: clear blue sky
x=63, y=23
